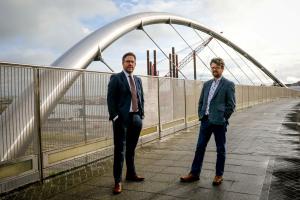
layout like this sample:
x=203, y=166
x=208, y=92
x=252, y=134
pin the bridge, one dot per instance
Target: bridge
x=54, y=120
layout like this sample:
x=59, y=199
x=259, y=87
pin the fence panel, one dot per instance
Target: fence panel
x=75, y=129
x=18, y=152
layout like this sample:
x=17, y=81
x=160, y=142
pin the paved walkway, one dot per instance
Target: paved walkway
x=258, y=140
x=256, y=137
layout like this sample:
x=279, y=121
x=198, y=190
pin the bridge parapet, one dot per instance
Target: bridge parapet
x=77, y=131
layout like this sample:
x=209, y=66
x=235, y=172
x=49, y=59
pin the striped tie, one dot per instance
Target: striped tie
x=134, y=99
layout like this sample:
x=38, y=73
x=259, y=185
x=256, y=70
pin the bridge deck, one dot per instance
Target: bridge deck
x=261, y=143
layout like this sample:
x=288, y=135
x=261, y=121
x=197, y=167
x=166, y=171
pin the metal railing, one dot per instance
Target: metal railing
x=77, y=130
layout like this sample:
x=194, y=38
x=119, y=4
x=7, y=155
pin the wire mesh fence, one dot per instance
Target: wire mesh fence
x=72, y=118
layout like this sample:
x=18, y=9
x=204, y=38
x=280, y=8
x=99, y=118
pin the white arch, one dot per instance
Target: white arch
x=84, y=52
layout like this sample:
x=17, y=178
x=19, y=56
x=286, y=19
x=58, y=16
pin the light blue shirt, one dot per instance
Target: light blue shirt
x=211, y=93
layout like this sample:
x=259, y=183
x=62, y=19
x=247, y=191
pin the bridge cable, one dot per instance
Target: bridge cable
x=253, y=70
x=249, y=67
x=238, y=54
x=188, y=58
x=217, y=56
x=189, y=46
x=265, y=76
x=174, y=65
x=180, y=51
x=235, y=62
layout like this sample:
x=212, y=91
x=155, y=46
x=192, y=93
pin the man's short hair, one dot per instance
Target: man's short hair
x=218, y=61
x=128, y=54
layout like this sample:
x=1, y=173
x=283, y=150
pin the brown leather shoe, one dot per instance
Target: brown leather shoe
x=189, y=178
x=217, y=180
x=118, y=188
x=134, y=178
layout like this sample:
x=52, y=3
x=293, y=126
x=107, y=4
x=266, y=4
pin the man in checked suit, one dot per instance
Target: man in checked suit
x=216, y=104
x=125, y=102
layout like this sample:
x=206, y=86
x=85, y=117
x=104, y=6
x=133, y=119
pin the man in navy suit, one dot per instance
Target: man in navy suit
x=216, y=104
x=125, y=102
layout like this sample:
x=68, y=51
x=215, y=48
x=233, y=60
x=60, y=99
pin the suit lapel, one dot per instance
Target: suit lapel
x=124, y=79
x=219, y=87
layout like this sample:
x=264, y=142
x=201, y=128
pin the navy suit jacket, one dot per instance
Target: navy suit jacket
x=119, y=96
x=222, y=104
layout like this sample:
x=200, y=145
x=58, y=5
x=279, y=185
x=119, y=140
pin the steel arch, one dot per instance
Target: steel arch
x=84, y=52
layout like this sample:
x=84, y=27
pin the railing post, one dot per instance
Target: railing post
x=84, y=110
x=158, y=109
x=173, y=96
x=184, y=93
x=195, y=64
x=84, y=106
x=37, y=117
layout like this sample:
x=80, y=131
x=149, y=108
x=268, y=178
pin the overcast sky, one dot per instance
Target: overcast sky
x=39, y=31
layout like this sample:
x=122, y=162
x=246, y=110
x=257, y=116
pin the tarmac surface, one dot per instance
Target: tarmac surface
x=263, y=162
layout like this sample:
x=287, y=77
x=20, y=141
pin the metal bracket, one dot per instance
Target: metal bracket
x=141, y=26
x=99, y=57
x=162, y=51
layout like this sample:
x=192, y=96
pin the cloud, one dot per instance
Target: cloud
x=36, y=56
x=86, y=30
x=266, y=29
x=262, y=28
x=292, y=79
x=53, y=26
